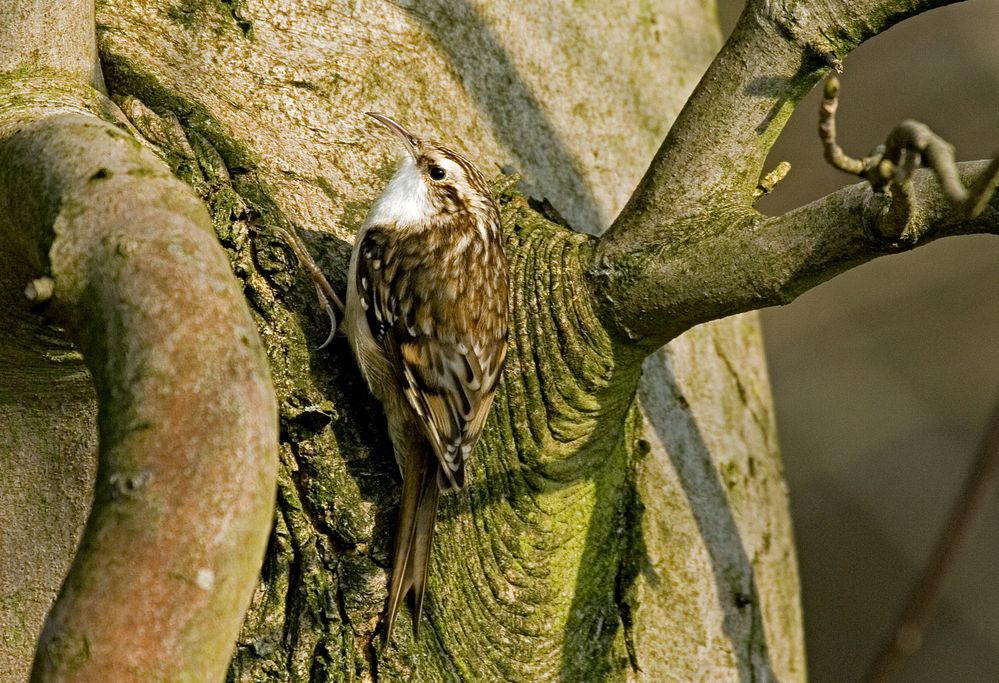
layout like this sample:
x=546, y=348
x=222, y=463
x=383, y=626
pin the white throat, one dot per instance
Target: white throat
x=404, y=200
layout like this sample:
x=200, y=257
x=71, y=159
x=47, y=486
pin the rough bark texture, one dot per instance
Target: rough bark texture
x=556, y=482
x=616, y=526
x=542, y=569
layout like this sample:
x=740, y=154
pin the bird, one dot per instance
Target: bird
x=427, y=319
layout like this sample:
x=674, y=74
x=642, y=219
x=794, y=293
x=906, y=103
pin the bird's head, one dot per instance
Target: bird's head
x=432, y=180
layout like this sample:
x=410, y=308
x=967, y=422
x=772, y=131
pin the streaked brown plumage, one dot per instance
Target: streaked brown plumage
x=426, y=316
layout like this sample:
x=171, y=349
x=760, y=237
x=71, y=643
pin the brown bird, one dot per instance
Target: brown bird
x=427, y=319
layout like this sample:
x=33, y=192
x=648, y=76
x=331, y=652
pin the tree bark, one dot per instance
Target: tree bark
x=626, y=516
x=121, y=255
x=554, y=564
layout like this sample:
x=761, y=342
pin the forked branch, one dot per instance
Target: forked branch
x=689, y=247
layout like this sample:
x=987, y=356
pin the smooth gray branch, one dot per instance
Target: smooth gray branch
x=720, y=141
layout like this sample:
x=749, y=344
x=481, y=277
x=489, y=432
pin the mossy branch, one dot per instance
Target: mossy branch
x=187, y=428
x=671, y=259
x=126, y=260
x=59, y=36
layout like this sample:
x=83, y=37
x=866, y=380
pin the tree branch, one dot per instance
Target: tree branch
x=187, y=428
x=906, y=635
x=187, y=417
x=708, y=269
x=58, y=35
x=707, y=174
x=909, y=146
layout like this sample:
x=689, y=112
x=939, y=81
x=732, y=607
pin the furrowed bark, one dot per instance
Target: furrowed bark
x=557, y=588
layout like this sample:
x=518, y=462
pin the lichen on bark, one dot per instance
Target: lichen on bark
x=546, y=568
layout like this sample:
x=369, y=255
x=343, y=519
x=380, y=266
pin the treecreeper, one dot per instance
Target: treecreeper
x=426, y=317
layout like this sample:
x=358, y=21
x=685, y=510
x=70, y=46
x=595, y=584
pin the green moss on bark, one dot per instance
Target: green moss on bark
x=549, y=487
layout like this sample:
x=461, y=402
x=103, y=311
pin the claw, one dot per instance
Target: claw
x=332, y=317
x=324, y=291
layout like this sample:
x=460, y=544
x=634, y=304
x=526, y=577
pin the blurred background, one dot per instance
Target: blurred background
x=884, y=378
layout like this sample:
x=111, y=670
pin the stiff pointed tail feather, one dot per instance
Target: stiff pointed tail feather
x=417, y=517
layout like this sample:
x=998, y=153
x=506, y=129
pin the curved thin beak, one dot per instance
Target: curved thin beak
x=408, y=139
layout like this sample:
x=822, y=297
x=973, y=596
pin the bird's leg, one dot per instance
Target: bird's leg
x=324, y=290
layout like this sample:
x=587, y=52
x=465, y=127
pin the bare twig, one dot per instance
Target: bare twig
x=911, y=145
x=907, y=633
x=834, y=154
x=770, y=180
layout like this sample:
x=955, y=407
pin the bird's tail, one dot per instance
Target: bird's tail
x=414, y=538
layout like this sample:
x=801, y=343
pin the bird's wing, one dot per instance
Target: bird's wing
x=447, y=376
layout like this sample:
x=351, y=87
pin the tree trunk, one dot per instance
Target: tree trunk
x=623, y=521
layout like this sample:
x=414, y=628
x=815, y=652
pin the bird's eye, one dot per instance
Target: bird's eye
x=437, y=173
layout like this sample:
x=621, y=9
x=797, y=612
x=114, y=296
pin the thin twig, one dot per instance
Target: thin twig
x=834, y=154
x=907, y=633
x=911, y=145
x=770, y=180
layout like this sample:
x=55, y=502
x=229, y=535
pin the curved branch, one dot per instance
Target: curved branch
x=708, y=168
x=125, y=256
x=909, y=146
x=187, y=417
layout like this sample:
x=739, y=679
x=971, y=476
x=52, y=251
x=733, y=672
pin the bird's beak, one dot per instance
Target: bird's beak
x=407, y=139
